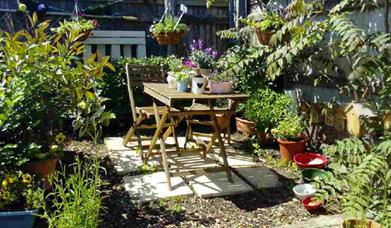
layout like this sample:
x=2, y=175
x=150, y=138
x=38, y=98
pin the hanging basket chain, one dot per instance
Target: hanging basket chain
x=76, y=10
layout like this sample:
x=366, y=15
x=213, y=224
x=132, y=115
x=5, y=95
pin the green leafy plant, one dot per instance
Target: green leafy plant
x=147, y=169
x=362, y=185
x=42, y=83
x=183, y=75
x=168, y=25
x=91, y=118
x=76, y=198
x=17, y=191
x=264, y=21
x=291, y=128
x=80, y=25
x=266, y=108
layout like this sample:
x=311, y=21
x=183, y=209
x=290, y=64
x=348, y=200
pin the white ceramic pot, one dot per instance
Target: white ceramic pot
x=198, y=85
x=171, y=80
x=304, y=190
x=220, y=87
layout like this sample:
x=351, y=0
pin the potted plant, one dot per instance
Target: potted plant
x=182, y=79
x=265, y=25
x=261, y=113
x=18, y=201
x=79, y=25
x=290, y=136
x=43, y=162
x=174, y=65
x=168, y=31
x=204, y=58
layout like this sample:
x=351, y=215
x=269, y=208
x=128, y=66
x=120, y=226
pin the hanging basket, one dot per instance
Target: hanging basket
x=264, y=36
x=85, y=36
x=170, y=38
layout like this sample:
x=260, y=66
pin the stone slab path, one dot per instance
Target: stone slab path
x=154, y=186
x=323, y=221
x=217, y=184
x=203, y=182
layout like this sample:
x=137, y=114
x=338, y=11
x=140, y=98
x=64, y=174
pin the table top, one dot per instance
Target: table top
x=166, y=95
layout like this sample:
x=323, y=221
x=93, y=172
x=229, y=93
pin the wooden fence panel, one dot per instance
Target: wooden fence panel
x=203, y=23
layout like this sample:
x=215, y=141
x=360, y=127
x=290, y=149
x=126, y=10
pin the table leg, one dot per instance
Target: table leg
x=222, y=147
x=160, y=123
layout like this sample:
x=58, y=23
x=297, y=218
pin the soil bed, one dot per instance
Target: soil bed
x=255, y=209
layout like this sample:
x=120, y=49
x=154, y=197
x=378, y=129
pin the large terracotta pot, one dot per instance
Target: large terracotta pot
x=245, y=127
x=42, y=168
x=357, y=223
x=288, y=149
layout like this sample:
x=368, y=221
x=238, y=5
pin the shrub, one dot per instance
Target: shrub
x=266, y=108
x=42, y=82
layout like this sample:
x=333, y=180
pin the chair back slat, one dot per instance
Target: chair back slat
x=136, y=75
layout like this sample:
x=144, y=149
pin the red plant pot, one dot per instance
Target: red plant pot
x=303, y=160
x=310, y=204
x=288, y=149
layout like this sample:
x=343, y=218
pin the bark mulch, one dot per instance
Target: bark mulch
x=264, y=208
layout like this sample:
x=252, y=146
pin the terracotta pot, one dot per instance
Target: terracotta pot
x=170, y=38
x=264, y=36
x=223, y=121
x=264, y=138
x=245, y=127
x=357, y=223
x=288, y=149
x=42, y=169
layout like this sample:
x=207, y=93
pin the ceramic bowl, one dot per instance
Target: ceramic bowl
x=304, y=190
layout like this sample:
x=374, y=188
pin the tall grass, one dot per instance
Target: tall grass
x=75, y=201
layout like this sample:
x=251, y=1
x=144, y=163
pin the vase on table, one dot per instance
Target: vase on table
x=198, y=85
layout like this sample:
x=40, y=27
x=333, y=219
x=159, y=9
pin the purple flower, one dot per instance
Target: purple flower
x=189, y=63
x=215, y=54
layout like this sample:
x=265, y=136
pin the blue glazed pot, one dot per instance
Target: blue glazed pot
x=182, y=85
x=17, y=219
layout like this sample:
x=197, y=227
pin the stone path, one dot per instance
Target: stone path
x=323, y=221
x=201, y=181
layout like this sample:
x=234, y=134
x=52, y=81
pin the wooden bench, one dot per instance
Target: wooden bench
x=116, y=44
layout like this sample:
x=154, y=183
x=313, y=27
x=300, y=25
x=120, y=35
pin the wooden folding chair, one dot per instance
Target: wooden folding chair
x=223, y=121
x=136, y=75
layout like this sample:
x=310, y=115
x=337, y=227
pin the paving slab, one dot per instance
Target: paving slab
x=128, y=161
x=323, y=221
x=217, y=184
x=236, y=158
x=154, y=186
x=261, y=177
x=189, y=161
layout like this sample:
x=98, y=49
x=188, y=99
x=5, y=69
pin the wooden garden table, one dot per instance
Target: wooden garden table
x=169, y=96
